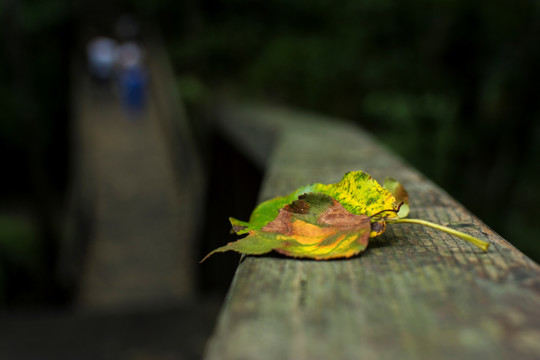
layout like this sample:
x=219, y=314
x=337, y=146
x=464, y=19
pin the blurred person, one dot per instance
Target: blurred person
x=101, y=54
x=132, y=78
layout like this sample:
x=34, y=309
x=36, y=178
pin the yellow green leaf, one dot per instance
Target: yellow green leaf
x=400, y=194
x=357, y=192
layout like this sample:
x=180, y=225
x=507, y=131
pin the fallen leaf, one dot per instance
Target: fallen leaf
x=313, y=226
x=328, y=221
x=357, y=192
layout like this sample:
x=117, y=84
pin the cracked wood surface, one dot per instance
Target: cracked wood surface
x=415, y=293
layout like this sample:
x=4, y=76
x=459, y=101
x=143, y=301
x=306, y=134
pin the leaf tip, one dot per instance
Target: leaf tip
x=206, y=257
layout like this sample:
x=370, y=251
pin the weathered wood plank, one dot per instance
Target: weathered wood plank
x=414, y=294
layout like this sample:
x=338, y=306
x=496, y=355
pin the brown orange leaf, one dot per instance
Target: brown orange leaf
x=314, y=226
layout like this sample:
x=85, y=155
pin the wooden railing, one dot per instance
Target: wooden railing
x=415, y=293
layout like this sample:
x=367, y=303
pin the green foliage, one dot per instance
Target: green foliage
x=37, y=16
x=18, y=241
x=192, y=89
x=20, y=254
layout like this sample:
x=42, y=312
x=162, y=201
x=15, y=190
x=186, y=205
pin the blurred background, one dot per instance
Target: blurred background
x=452, y=87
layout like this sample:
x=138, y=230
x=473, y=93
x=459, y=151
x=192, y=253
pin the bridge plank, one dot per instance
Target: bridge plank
x=414, y=294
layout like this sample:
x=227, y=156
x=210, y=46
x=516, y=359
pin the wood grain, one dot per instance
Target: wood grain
x=416, y=293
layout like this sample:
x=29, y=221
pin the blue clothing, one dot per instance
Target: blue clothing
x=133, y=88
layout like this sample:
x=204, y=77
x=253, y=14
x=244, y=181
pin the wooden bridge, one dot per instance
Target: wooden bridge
x=141, y=179
x=413, y=294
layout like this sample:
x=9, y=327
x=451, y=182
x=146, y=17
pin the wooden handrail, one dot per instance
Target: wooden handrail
x=415, y=293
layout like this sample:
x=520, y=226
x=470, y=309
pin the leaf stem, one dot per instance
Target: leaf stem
x=391, y=210
x=481, y=244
